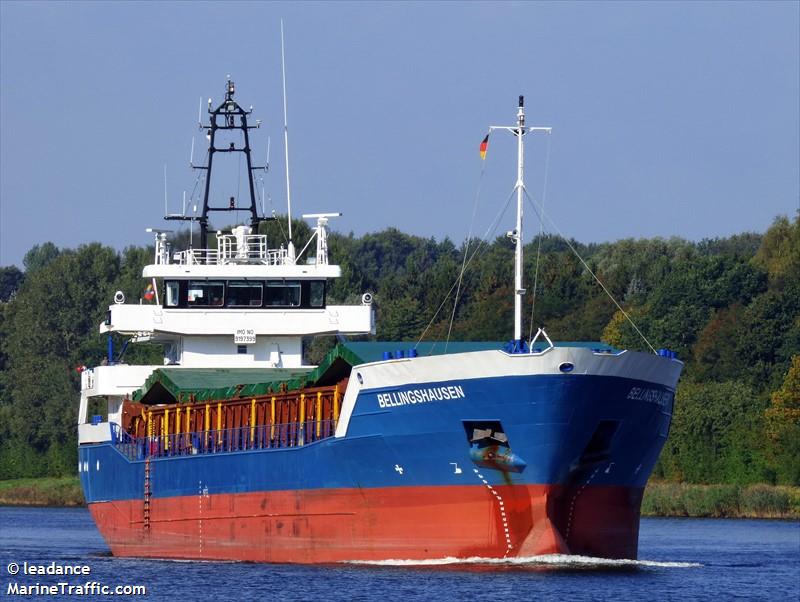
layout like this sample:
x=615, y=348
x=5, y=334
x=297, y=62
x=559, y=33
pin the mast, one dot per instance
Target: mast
x=231, y=117
x=520, y=186
x=519, y=130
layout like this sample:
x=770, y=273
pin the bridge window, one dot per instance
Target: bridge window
x=171, y=288
x=206, y=293
x=316, y=293
x=244, y=294
x=285, y=293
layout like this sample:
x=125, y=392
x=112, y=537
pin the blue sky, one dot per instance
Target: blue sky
x=669, y=118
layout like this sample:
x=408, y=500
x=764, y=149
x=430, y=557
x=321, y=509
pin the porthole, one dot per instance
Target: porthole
x=566, y=367
x=360, y=378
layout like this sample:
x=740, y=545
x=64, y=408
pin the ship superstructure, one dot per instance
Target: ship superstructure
x=232, y=302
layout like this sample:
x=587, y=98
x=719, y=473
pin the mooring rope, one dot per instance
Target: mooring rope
x=489, y=232
x=467, y=242
x=542, y=215
x=541, y=234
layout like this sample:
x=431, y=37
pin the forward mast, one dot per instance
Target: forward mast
x=519, y=130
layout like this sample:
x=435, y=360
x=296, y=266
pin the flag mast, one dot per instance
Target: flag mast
x=519, y=130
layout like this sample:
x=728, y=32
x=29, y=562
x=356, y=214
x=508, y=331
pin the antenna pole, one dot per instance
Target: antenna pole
x=166, y=212
x=191, y=227
x=286, y=147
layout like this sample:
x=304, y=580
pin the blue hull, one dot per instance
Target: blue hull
x=549, y=420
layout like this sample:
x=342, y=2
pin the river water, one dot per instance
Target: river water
x=680, y=559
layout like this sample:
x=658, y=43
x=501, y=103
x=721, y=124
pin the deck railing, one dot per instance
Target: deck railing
x=252, y=250
x=244, y=438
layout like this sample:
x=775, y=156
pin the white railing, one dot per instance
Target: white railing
x=240, y=248
x=196, y=257
x=253, y=251
x=277, y=256
x=251, y=248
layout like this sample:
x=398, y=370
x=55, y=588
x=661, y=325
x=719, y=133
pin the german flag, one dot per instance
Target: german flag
x=484, y=146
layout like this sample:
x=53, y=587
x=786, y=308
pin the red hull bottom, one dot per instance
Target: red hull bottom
x=333, y=525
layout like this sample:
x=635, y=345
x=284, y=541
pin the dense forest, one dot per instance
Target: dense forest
x=729, y=307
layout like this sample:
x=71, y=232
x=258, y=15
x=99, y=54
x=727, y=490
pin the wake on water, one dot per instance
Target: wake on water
x=555, y=561
x=544, y=561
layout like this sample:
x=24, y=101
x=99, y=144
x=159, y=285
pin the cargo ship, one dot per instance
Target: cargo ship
x=235, y=449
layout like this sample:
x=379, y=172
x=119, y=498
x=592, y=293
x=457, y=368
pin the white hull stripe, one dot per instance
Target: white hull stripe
x=459, y=367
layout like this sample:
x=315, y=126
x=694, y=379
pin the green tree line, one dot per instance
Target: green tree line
x=730, y=308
